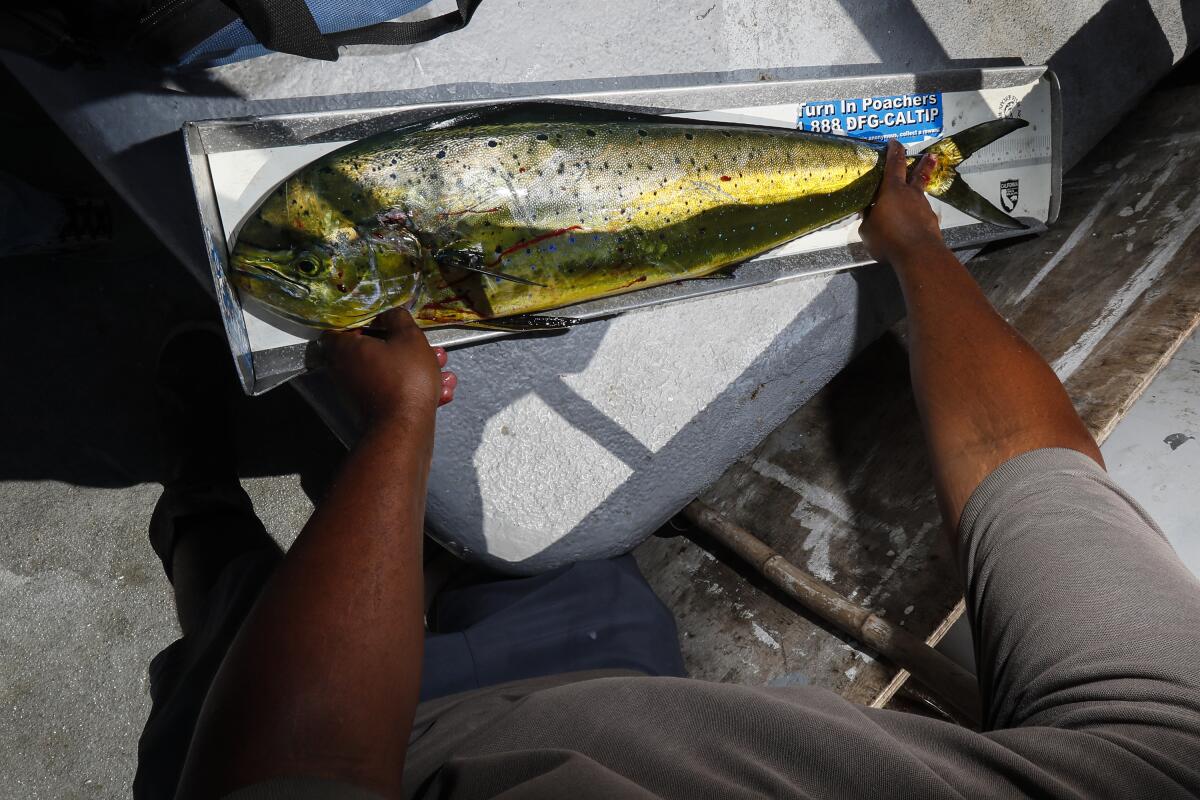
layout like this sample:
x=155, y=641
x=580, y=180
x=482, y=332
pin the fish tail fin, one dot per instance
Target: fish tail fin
x=951, y=188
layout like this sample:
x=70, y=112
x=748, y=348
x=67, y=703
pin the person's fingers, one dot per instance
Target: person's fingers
x=442, y=358
x=895, y=168
x=396, y=319
x=923, y=172
x=334, y=343
x=449, y=384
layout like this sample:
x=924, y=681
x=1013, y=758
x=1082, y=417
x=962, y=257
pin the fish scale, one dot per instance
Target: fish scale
x=536, y=207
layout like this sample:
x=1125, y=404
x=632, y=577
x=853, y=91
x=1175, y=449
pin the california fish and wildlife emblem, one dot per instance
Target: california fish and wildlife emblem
x=1010, y=190
x=1010, y=106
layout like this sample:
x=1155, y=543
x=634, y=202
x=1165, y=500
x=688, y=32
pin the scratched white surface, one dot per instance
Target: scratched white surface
x=552, y=454
x=1154, y=452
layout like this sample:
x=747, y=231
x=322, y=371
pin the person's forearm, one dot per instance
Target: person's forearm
x=984, y=394
x=323, y=678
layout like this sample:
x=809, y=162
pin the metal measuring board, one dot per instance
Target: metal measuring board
x=234, y=163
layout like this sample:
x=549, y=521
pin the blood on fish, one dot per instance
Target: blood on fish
x=726, y=178
x=632, y=282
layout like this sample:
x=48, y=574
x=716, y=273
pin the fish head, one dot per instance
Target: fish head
x=332, y=276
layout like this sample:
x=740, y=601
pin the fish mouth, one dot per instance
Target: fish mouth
x=258, y=272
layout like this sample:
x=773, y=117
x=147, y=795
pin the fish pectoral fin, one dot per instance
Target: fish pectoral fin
x=523, y=323
x=471, y=260
x=501, y=276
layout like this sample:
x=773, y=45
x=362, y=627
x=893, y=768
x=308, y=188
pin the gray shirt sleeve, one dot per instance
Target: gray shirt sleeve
x=1084, y=617
x=1087, y=628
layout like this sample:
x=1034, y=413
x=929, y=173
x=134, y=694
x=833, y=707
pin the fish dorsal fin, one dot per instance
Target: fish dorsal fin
x=540, y=111
x=546, y=111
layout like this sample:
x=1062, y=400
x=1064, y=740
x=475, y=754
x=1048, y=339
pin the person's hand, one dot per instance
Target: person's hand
x=900, y=223
x=398, y=376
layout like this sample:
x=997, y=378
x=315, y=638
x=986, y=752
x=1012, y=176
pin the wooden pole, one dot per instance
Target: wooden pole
x=954, y=686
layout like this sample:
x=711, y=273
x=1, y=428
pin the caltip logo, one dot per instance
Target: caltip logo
x=1010, y=190
x=1010, y=106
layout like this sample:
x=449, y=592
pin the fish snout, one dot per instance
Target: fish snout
x=260, y=278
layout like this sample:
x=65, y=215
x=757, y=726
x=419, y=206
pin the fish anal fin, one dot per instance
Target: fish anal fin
x=725, y=273
x=524, y=323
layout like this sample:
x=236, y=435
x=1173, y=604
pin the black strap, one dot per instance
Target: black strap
x=408, y=32
x=287, y=26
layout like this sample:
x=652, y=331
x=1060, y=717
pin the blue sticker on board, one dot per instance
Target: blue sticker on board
x=907, y=117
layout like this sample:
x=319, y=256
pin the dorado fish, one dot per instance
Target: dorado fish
x=483, y=218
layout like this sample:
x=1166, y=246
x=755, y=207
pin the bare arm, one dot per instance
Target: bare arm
x=322, y=680
x=983, y=393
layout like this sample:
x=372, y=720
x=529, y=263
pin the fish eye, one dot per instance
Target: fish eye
x=307, y=266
